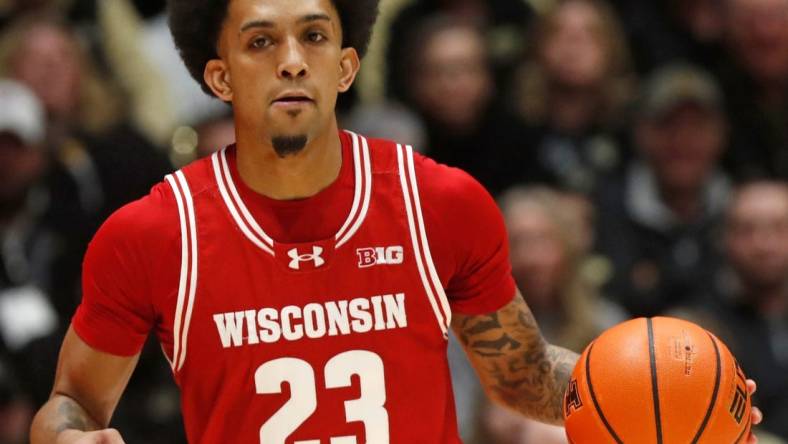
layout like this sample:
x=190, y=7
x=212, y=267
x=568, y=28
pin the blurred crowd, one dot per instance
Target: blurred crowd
x=638, y=150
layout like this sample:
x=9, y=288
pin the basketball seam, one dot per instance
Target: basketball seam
x=654, y=387
x=594, y=400
x=714, y=393
x=741, y=435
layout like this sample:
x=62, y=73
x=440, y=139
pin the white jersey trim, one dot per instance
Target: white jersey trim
x=405, y=181
x=193, y=271
x=252, y=230
x=240, y=203
x=188, y=275
x=233, y=212
x=357, y=182
x=424, y=242
x=367, y=193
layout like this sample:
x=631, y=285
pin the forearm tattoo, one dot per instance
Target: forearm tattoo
x=72, y=416
x=515, y=363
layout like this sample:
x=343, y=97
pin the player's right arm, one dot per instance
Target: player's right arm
x=88, y=385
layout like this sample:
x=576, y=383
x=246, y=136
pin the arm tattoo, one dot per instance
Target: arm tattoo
x=73, y=416
x=515, y=363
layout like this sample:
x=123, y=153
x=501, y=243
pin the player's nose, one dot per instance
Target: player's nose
x=292, y=63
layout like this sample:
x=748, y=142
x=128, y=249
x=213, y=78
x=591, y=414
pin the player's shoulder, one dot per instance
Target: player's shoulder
x=156, y=215
x=443, y=190
x=152, y=217
x=442, y=183
x=433, y=178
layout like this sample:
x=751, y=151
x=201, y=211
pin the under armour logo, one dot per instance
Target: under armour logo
x=315, y=257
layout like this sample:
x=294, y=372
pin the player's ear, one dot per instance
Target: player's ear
x=217, y=77
x=349, y=65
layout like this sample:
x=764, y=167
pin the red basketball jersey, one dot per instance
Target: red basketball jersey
x=336, y=340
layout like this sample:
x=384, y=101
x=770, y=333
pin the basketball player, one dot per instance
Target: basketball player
x=303, y=281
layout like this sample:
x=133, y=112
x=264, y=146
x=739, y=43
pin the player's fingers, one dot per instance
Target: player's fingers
x=111, y=436
x=756, y=415
x=751, y=386
x=752, y=439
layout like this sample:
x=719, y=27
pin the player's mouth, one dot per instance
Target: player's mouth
x=292, y=99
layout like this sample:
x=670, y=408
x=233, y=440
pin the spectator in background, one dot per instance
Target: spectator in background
x=571, y=93
x=388, y=120
x=503, y=24
x=109, y=160
x=672, y=31
x=549, y=240
x=42, y=234
x=105, y=164
x=756, y=86
x=451, y=87
x=657, y=220
x=550, y=234
x=755, y=323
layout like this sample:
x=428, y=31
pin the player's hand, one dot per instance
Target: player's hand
x=106, y=436
x=756, y=416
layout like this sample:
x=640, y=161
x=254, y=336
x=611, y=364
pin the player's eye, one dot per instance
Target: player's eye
x=259, y=42
x=315, y=37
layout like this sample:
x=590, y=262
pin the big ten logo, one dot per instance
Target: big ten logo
x=739, y=403
x=368, y=257
x=572, y=399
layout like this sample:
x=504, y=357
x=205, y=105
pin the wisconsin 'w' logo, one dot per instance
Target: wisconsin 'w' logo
x=739, y=404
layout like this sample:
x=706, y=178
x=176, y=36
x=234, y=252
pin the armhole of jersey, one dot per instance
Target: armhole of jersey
x=188, y=275
x=418, y=234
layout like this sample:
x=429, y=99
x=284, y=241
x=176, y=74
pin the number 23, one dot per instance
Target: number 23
x=303, y=395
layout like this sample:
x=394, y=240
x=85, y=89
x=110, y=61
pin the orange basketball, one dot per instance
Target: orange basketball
x=657, y=381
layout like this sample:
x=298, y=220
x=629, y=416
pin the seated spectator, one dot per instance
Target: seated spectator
x=571, y=92
x=755, y=322
x=657, y=220
x=503, y=23
x=673, y=31
x=756, y=86
x=109, y=160
x=550, y=236
x=387, y=120
x=451, y=87
x=43, y=235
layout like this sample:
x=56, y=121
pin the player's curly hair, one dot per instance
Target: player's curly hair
x=196, y=24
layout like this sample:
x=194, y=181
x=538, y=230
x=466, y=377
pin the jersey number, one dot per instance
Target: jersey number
x=339, y=370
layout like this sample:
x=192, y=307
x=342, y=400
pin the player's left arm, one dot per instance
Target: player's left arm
x=516, y=365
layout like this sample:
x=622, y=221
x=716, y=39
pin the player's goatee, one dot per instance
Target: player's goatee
x=288, y=145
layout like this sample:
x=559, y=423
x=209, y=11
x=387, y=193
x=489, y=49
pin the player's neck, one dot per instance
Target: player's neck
x=295, y=176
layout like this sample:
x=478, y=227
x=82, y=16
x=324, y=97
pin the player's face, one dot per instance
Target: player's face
x=282, y=66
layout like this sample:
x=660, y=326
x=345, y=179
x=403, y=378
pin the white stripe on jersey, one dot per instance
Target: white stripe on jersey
x=230, y=206
x=240, y=203
x=184, y=271
x=357, y=192
x=404, y=179
x=193, y=271
x=425, y=244
x=188, y=275
x=367, y=194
